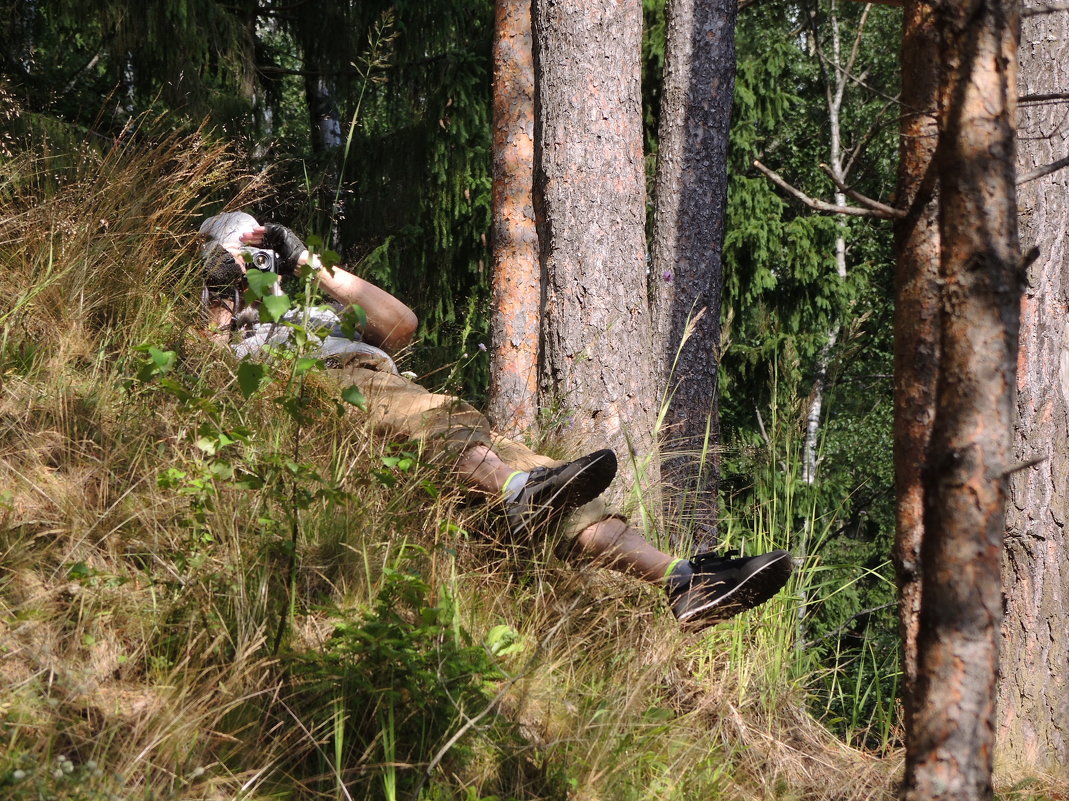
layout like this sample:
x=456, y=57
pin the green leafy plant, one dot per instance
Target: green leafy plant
x=400, y=676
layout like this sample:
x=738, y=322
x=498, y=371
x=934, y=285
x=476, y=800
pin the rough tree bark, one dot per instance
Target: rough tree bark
x=516, y=276
x=590, y=202
x=916, y=318
x=1033, y=697
x=686, y=278
x=950, y=745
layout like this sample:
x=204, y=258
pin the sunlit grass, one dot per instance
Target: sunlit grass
x=152, y=633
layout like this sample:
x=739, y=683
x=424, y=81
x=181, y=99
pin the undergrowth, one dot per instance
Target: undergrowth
x=216, y=584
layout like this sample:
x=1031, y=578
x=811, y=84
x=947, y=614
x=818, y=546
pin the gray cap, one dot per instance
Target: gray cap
x=224, y=229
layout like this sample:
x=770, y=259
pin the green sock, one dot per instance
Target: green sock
x=513, y=484
x=678, y=573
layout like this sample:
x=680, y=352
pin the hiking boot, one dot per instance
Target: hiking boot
x=550, y=492
x=723, y=586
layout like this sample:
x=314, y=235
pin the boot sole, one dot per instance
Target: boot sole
x=752, y=591
x=586, y=485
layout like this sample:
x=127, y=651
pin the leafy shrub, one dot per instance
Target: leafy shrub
x=395, y=681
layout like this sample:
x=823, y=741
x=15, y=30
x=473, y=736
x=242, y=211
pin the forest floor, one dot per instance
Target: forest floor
x=217, y=589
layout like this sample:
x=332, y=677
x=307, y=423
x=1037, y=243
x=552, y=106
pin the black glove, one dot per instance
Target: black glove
x=286, y=244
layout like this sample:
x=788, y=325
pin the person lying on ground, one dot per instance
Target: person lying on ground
x=538, y=495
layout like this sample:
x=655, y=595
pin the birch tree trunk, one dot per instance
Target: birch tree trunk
x=686, y=279
x=598, y=363
x=842, y=68
x=516, y=279
x=835, y=84
x=1033, y=695
x=950, y=745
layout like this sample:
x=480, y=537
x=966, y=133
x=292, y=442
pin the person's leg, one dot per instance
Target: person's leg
x=612, y=543
x=535, y=489
x=537, y=497
x=482, y=468
x=703, y=590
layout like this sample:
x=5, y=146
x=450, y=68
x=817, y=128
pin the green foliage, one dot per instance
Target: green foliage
x=26, y=779
x=396, y=680
x=408, y=198
x=845, y=631
x=783, y=300
x=420, y=174
x=190, y=56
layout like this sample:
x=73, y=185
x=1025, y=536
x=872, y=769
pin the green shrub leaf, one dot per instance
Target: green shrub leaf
x=251, y=377
x=354, y=396
x=275, y=306
x=260, y=283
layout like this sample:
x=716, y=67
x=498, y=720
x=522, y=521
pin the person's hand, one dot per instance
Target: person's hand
x=287, y=245
x=254, y=236
x=251, y=237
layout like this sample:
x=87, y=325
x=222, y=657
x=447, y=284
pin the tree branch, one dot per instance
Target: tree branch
x=873, y=129
x=820, y=205
x=857, y=41
x=1039, y=172
x=847, y=624
x=1035, y=11
x=745, y=4
x=865, y=201
x=1043, y=98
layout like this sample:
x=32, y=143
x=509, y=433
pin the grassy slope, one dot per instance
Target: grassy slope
x=203, y=596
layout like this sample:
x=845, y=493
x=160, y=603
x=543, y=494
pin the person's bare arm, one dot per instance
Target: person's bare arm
x=390, y=323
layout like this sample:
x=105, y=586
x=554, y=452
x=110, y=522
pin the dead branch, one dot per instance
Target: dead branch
x=745, y=4
x=820, y=205
x=1035, y=11
x=865, y=201
x=873, y=129
x=1039, y=172
x=1017, y=468
x=857, y=42
x=1043, y=98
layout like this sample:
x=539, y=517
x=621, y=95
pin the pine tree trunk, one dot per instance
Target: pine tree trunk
x=686, y=279
x=916, y=318
x=1033, y=693
x=951, y=742
x=598, y=364
x=517, y=290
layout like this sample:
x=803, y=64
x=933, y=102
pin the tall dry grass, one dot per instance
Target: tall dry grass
x=154, y=642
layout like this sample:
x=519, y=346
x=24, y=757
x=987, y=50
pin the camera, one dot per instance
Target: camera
x=261, y=259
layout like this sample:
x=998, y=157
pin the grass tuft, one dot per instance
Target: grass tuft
x=207, y=597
